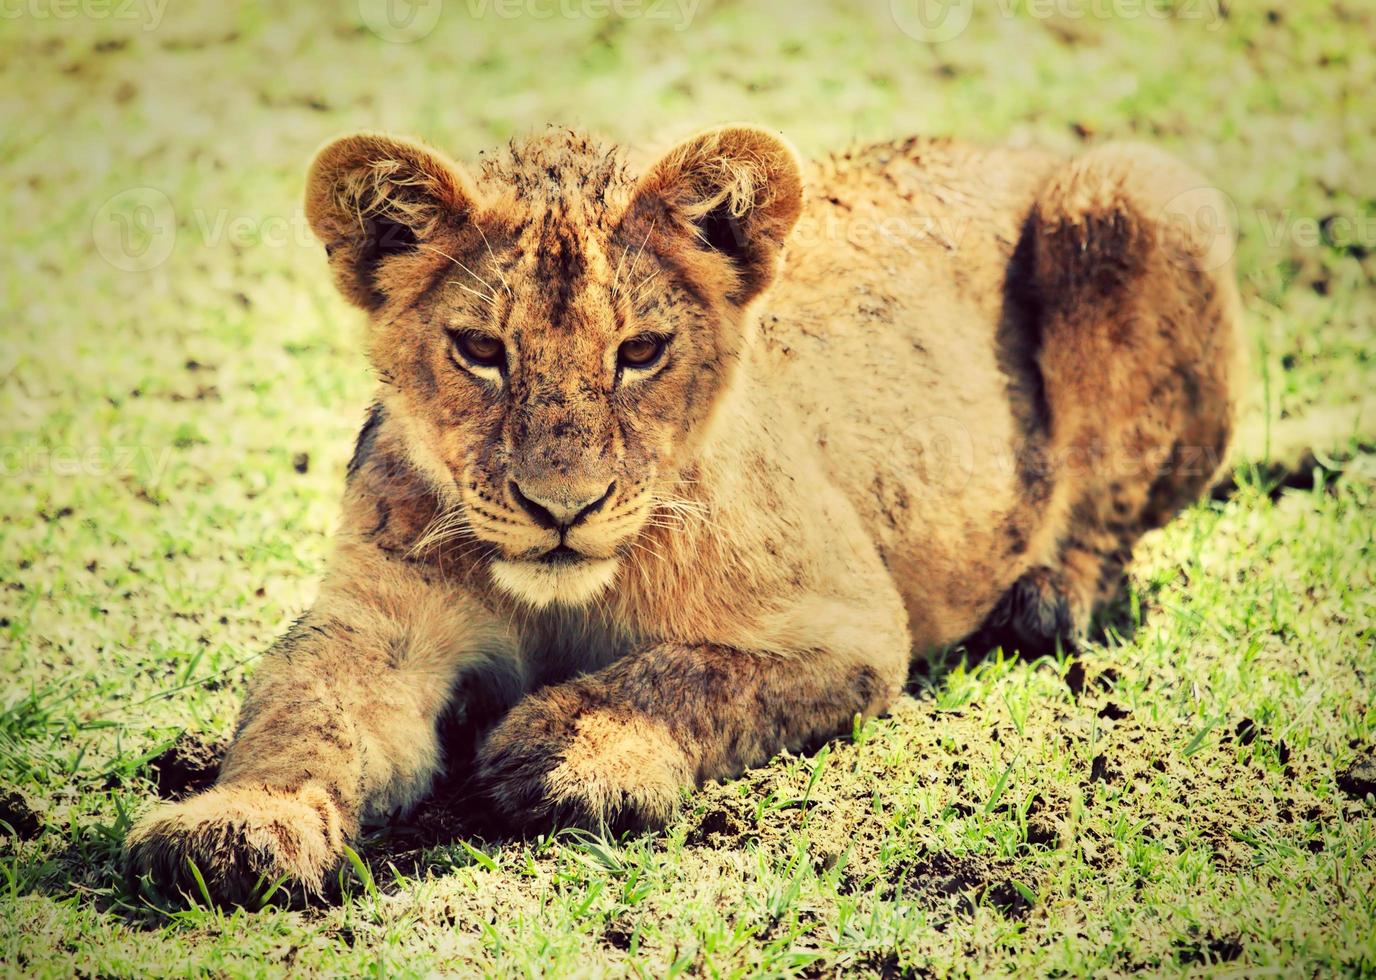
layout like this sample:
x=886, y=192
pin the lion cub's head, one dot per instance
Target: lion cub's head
x=553, y=334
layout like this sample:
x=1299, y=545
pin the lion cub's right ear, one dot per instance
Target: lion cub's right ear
x=385, y=209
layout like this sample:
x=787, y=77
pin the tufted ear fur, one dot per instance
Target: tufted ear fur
x=738, y=191
x=385, y=208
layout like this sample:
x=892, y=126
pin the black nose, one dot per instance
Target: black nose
x=559, y=510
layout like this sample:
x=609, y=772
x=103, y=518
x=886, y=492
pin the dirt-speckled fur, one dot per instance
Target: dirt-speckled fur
x=943, y=396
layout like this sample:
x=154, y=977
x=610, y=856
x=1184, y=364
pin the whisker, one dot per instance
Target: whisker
x=468, y=289
x=642, y=546
x=500, y=275
x=681, y=507
x=684, y=509
x=667, y=522
x=488, y=285
x=449, y=525
x=616, y=276
x=635, y=263
x=640, y=290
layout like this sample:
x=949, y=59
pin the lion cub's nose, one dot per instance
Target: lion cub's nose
x=559, y=510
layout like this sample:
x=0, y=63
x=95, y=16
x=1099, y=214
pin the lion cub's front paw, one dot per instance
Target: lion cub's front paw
x=559, y=759
x=241, y=840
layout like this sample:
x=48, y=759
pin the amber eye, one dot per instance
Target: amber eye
x=641, y=352
x=480, y=349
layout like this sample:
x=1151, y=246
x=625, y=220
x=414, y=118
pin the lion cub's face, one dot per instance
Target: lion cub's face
x=553, y=338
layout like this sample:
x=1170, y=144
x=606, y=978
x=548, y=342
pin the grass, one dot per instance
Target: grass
x=177, y=407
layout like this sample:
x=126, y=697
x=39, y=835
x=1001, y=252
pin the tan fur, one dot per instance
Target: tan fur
x=973, y=380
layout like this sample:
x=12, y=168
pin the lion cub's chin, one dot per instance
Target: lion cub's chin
x=542, y=584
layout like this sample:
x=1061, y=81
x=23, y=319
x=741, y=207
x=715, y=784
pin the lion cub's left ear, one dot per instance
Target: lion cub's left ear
x=738, y=190
x=387, y=210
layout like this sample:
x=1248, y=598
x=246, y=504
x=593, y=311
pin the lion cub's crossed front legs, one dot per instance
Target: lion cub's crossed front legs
x=340, y=727
x=616, y=748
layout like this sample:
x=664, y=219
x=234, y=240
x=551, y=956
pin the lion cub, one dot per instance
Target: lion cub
x=670, y=471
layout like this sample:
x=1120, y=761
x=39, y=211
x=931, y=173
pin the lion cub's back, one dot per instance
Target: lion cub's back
x=893, y=334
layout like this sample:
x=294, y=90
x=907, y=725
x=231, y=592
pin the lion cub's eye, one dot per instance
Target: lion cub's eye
x=642, y=351
x=479, y=349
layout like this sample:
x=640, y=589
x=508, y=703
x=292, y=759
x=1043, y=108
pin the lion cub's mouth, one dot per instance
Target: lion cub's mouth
x=562, y=555
x=560, y=576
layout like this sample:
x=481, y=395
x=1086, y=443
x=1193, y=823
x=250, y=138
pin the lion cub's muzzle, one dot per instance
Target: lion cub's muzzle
x=577, y=559
x=560, y=508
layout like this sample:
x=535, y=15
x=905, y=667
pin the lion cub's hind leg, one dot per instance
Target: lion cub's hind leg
x=1034, y=617
x=1138, y=334
x=1050, y=607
